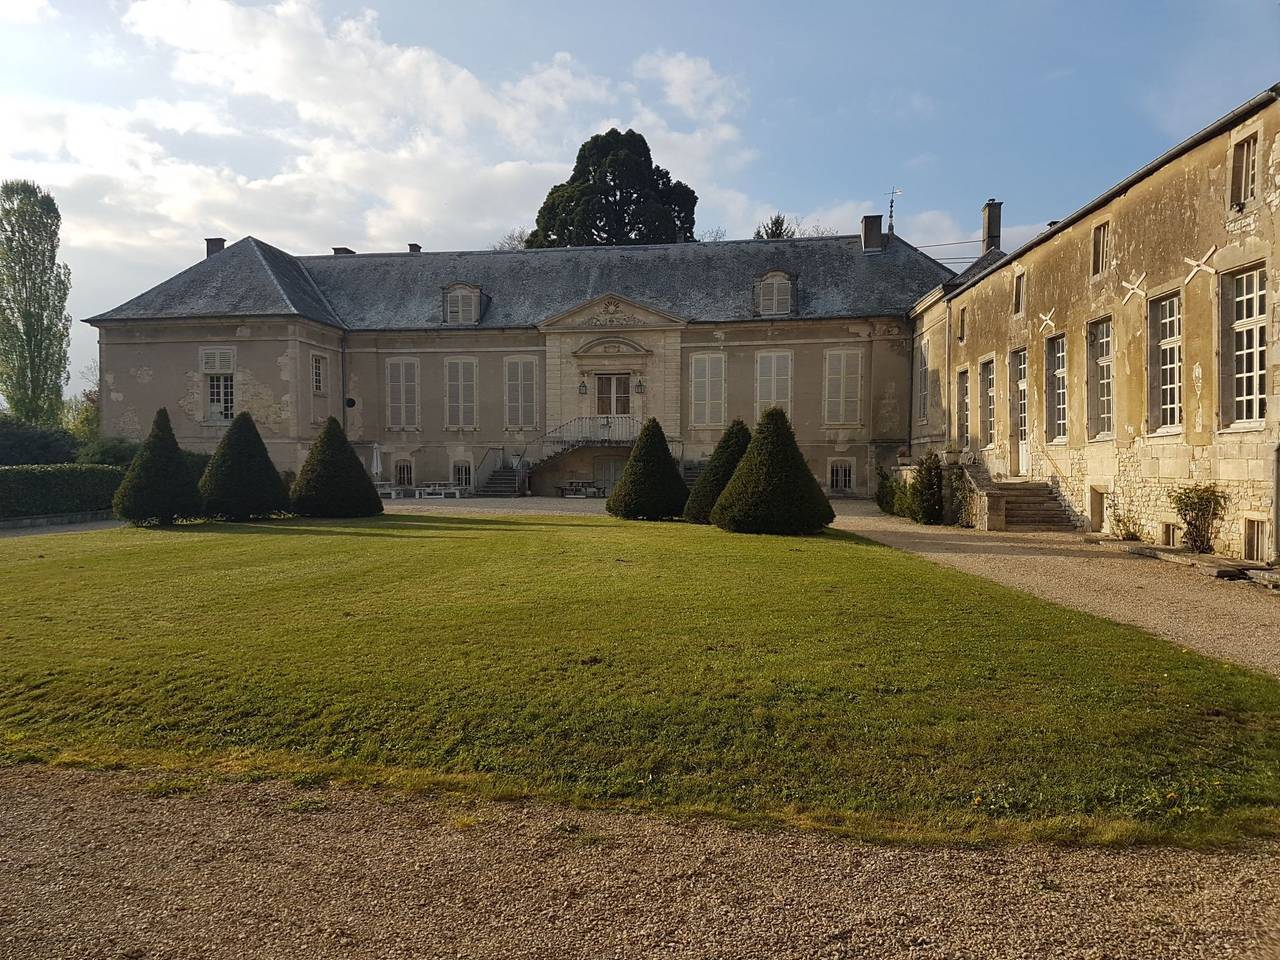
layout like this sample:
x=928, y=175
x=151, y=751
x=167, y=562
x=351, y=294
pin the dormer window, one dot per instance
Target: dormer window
x=773, y=295
x=461, y=304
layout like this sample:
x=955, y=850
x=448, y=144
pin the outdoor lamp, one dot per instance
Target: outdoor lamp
x=582, y=388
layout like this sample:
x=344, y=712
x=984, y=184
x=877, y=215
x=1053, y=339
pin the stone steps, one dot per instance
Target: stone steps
x=1031, y=507
x=503, y=482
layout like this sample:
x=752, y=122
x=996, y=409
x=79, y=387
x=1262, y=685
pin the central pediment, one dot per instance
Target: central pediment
x=612, y=312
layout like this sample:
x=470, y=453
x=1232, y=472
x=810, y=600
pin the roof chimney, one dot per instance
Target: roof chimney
x=343, y=251
x=991, y=225
x=213, y=245
x=415, y=248
x=872, y=240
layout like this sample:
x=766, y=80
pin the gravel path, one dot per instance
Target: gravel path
x=1234, y=621
x=93, y=867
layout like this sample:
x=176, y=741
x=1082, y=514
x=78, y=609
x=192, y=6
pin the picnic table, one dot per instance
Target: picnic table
x=580, y=489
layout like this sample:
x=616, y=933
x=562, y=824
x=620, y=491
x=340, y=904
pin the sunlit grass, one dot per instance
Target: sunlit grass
x=821, y=681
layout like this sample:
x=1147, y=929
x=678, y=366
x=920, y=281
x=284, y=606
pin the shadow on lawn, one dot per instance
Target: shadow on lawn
x=422, y=524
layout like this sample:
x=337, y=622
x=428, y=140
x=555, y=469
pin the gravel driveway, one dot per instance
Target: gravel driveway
x=93, y=867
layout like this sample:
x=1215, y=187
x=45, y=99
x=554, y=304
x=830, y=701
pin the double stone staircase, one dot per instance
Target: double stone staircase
x=501, y=482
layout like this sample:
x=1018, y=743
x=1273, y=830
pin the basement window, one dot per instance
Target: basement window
x=1255, y=540
x=1168, y=534
x=841, y=476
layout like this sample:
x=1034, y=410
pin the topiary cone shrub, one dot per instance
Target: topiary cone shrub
x=240, y=481
x=158, y=487
x=651, y=487
x=333, y=482
x=773, y=490
x=724, y=460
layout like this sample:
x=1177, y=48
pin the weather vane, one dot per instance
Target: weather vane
x=894, y=193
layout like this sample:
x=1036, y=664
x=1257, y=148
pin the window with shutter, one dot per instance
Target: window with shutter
x=522, y=409
x=217, y=360
x=706, y=407
x=402, y=394
x=460, y=393
x=773, y=381
x=843, y=386
x=773, y=295
x=462, y=305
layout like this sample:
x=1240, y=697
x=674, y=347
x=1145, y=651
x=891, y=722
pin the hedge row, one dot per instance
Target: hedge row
x=36, y=491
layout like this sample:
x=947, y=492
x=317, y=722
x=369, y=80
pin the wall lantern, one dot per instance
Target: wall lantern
x=639, y=386
x=582, y=389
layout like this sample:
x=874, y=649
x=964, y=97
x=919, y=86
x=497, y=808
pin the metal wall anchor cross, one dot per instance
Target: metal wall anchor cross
x=1134, y=288
x=1201, y=264
x=1047, y=318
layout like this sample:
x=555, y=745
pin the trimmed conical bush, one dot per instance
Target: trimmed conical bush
x=651, y=487
x=158, y=487
x=773, y=490
x=333, y=483
x=715, y=477
x=240, y=481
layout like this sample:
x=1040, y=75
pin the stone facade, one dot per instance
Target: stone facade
x=1143, y=291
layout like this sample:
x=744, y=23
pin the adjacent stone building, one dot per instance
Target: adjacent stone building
x=1128, y=349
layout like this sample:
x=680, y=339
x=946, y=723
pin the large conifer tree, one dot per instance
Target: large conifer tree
x=773, y=489
x=615, y=195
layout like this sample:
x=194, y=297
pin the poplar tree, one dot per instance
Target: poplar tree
x=35, y=329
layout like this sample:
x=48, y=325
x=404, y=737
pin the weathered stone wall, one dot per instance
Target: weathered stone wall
x=1173, y=232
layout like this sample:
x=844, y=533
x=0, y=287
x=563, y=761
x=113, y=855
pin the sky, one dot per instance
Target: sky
x=318, y=123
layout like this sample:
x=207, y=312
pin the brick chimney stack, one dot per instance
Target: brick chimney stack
x=991, y=225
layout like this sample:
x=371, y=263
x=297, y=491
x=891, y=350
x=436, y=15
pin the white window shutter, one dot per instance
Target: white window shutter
x=217, y=361
x=782, y=296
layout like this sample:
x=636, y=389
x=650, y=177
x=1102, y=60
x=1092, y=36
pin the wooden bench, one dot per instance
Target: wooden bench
x=388, y=490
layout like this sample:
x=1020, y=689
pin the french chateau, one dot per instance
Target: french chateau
x=1128, y=349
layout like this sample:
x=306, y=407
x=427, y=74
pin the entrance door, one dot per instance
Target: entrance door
x=613, y=394
x=1018, y=374
x=608, y=471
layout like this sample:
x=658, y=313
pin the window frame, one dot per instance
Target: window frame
x=785, y=405
x=218, y=366
x=471, y=304
x=775, y=280
x=1020, y=293
x=1244, y=172
x=1019, y=396
x=1101, y=372
x=844, y=401
x=1100, y=249
x=518, y=361
x=396, y=471
x=922, y=380
x=962, y=324
x=987, y=402
x=963, y=408
x=706, y=356
x=404, y=405
x=319, y=374
x=1057, y=420
x=461, y=363
x=1160, y=387
x=844, y=462
x=1258, y=326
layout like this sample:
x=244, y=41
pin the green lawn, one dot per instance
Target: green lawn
x=818, y=680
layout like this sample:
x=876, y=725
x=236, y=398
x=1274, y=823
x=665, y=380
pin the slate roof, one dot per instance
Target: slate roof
x=700, y=282
x=977, y=268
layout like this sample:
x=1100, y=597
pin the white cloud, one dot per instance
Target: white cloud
x=26, y=11
x=691, y=85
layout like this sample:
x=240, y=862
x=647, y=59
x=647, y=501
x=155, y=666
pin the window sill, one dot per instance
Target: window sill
x=1057, y=442
x=404, y=429
x=851, y=425
x=215, y=423
x=462, y=429
x=1164, y=432
x=1103, y=438
x=1244, y=426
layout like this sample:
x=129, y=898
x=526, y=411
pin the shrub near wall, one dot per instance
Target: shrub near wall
x=37, y=491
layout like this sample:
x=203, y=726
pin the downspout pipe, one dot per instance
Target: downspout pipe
x=342, y=367
x=1275, y=509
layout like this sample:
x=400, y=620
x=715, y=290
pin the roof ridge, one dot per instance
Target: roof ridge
x=551, y=250
x=257, y=245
